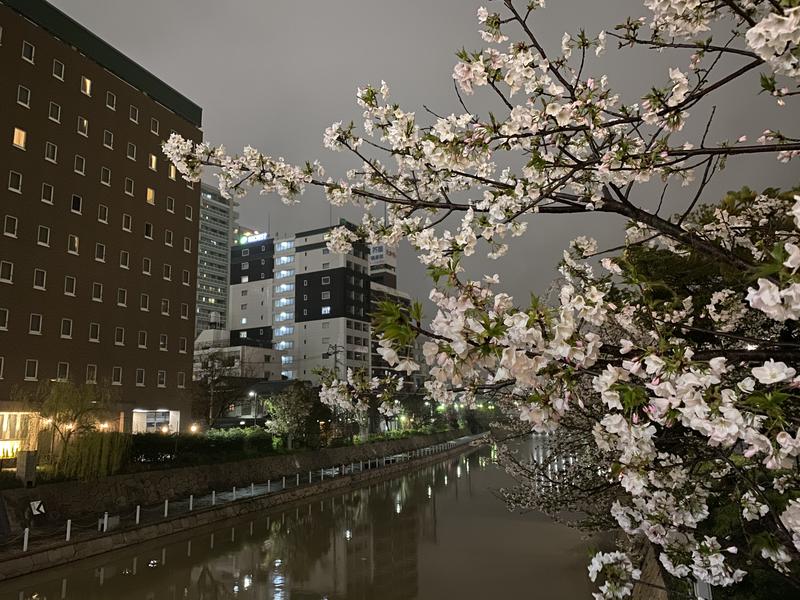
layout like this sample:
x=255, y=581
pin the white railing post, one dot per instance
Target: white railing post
x=309, y=477
x=138, y=513
x=166, y=508
x=213, y=497
x=25, y=539
x=283, y=484
x=252, y=489
x=191, y=502
x=269, y=485
x=69, y=530
x=234, y=492
x=298, y=480
x=105, y=522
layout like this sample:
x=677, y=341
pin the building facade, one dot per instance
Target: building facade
x=294, y=295
x=98, y=252
x=217, y=218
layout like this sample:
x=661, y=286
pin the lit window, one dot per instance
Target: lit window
x=70, y=283
x=20, y=137
x=23, y=96
x=133, y=114
x=28, y=51
x=10, y=226
x=80, y=165
x=43, y=235
x=152, y=161
x=54, y=112
x=151, y=196
x=66, y=328
x=97, y=292
x=173, y=172
x=119, y=336
x=83, y=126
x=326, y=310
x=72, y=243
x=131, y=151
x=39, y=279
x=116, y=376
x=105, y=176
x=51, y=152
x=35, y=324
x=129, y=186
x=47, y=193
x=111, y=100
x=91, y=373
x=170, y=204
x=100, y=252
x=15, y=182
x=94, y=332
x=31, y=369
x=77, y=204
x=86, y=85
x=58, y=70
x=154, y=126
x=108, y=139
x=127, y=222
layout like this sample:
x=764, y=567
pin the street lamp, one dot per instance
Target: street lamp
x=253, y=397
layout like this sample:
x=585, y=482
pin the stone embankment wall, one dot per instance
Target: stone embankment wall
x=70, y=499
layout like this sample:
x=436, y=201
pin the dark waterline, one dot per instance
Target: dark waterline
x=432, y=534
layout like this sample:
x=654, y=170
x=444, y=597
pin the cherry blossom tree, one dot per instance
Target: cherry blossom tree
x=687, y=390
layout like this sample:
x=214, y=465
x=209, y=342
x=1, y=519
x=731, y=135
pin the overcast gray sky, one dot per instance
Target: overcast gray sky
x=275, y=73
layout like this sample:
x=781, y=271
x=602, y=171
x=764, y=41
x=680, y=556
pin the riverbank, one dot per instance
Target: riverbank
x=44, y=554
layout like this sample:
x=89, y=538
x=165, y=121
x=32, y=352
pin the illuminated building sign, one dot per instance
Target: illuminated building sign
x=249, y=239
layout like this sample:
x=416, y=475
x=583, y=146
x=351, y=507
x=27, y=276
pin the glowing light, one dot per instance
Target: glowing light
x=430, y=492
x=348, y=535
x=193, y=428
x=165, y=429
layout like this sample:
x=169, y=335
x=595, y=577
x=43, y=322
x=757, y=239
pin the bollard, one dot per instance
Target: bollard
x=252, y=489
x=269, y=485
x=283, y=484
x=191, y=502
x=166, y=508
x=213, y=497
x=234, y=492
x=138, y=513
x=105, y=522
x=298, y=479
x=25, y=539
x=69, y=529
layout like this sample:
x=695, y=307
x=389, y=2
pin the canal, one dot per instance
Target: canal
x=439, y=532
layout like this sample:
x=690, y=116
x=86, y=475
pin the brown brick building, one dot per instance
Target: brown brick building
x=98, y=234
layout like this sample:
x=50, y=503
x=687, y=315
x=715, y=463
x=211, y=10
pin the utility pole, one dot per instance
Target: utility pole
x=334, y=350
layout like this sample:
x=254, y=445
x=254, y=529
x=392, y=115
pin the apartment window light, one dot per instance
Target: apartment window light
x=28, y=51
x=173, y=172
x=20, y=138
x=152, y=162
x=51, y=152
x=108, y=139
x=86, y=85
x=326, y=310
x=151, y=196
x=23, y=96
x=111, y=100
x=54, y=112
x=83, y=126
x=10, y=224
x=58, y=70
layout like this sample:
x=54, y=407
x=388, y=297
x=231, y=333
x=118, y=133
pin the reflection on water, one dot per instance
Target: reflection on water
x=431, y=534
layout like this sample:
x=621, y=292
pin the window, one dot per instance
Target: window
x=20, y=138
x=122, y=297
x=127, y=222
x=3, y=319
x=148, y=231
x=326, y=310
x=170, y=204
x=326, y=295
x=181, y=379
x=129, y=186
x=162, y=342
x=97, y=292
x=31, y=369
x=244, y=279
x=91, y=373
x=102, y=213
x=35, y=324
x=184, y=310
x=80, y=165
x=39, y=279
x=51, y=152
x=154, y=126
x=28, y=51
x=86, y=85
x=146, y=264
x=108, y=139
x=72, y=243
x=326, y=265
x=94, y=332
x=62, y=371
x=66, y=328
x=70, y=284
x=43, y=236
x=144, y=302
x=187, y=245
x=23, y=96
x=165, y=306
x=166, y=272
x=10, y=226
x=152, y=162
x=168, y=237
x=83, y=126
x=100, y=252
x=182, y=345
x=54, y=112
x=326, y=325
x=141, y=339
x=119, y=336
x=326, y=280
x=133, y=114
x=116, y=376
x=131, y=151
x=58, y=70
x=76, y=205
x=150, y=196
x=244, y=266
x=111, y=100
x=186, y=278
x=48, y=191
x=6, y=271
x=162, y=379
x=124, y=259
x=173, y=172
x=187, y=212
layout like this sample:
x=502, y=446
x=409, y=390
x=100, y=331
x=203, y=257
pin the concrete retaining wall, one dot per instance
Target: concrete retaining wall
x=117, y=493
x=60, y=553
